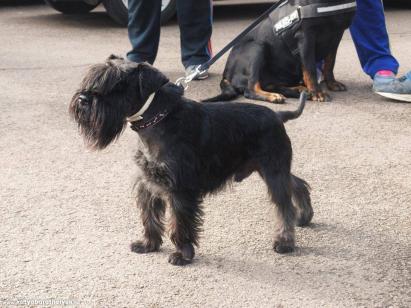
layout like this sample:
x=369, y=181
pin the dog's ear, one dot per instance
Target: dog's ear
x=150, y=80
x=114, y=57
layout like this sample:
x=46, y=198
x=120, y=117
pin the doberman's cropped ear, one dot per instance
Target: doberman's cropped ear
x=150, y=80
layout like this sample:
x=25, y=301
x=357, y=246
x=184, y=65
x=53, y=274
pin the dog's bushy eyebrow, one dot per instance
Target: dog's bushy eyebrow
x=103, y=78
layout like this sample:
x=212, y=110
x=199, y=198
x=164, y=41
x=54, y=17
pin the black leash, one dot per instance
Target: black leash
x=183, y=81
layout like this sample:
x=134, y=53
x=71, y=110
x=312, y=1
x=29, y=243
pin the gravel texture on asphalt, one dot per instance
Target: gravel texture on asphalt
x=68, y=215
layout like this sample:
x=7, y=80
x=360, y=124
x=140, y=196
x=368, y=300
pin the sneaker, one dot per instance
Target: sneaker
x=191, y=70
x=394, y=88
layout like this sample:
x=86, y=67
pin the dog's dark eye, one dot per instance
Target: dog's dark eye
x=84, y=99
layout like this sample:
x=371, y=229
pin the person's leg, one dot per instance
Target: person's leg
x=195, y=20
x=370, y=37
x=144, y=29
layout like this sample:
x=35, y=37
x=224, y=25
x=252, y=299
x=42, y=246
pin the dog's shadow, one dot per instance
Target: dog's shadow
x=207, y=259
x=278, y=271
x=332, y=251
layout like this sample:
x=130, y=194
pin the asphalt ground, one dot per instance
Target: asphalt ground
x=68, y=215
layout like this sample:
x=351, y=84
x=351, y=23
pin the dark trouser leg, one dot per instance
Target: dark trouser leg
x=195, y=20
x=144, y=29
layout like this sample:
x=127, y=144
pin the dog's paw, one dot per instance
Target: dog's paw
x=176, y=258
x=283, y=246
x=335, y=86
x=188, y=251
x=305, y=218
x=143, y=247
x=276, y=98
x=320, y=97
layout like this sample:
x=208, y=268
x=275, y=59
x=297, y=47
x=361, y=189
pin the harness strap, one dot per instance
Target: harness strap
x=326, y=9
x=287, y=19
x=289, y=15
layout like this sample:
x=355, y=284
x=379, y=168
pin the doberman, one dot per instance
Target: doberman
x=279, y=57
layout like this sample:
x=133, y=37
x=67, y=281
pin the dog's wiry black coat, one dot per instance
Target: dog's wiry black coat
x=195, y=150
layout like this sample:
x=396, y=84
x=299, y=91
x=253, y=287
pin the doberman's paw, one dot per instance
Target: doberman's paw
x=276, y=98
x=320, y=97
x=335, y=86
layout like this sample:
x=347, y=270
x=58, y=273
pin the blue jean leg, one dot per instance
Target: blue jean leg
x=370, y=37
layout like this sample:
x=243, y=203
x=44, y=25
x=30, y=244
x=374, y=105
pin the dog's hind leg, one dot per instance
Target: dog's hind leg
x=186, y=224
x=280, y=189
x=287, y=91
x=258, y=93
x=254, y=90
x=152, y=214
x=301, y=196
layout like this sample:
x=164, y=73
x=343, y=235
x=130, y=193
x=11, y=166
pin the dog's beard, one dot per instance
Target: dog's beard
x=98, y=121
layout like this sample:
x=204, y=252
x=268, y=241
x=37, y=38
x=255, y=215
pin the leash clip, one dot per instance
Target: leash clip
x=184, y=81
x=181, y=82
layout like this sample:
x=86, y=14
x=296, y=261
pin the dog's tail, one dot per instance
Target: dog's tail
x=291, y=115
x=228, y=92
x=301, y=196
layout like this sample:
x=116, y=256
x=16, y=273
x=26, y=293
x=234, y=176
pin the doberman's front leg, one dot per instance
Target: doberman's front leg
x=328, y=68
x=306, y=45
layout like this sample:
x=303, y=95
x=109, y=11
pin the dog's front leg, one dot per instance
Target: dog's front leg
x=152, y=213
x=306, y=46
x=185, y=226
x=328, y=68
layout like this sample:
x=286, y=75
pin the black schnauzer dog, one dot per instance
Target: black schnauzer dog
x=188, y=150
